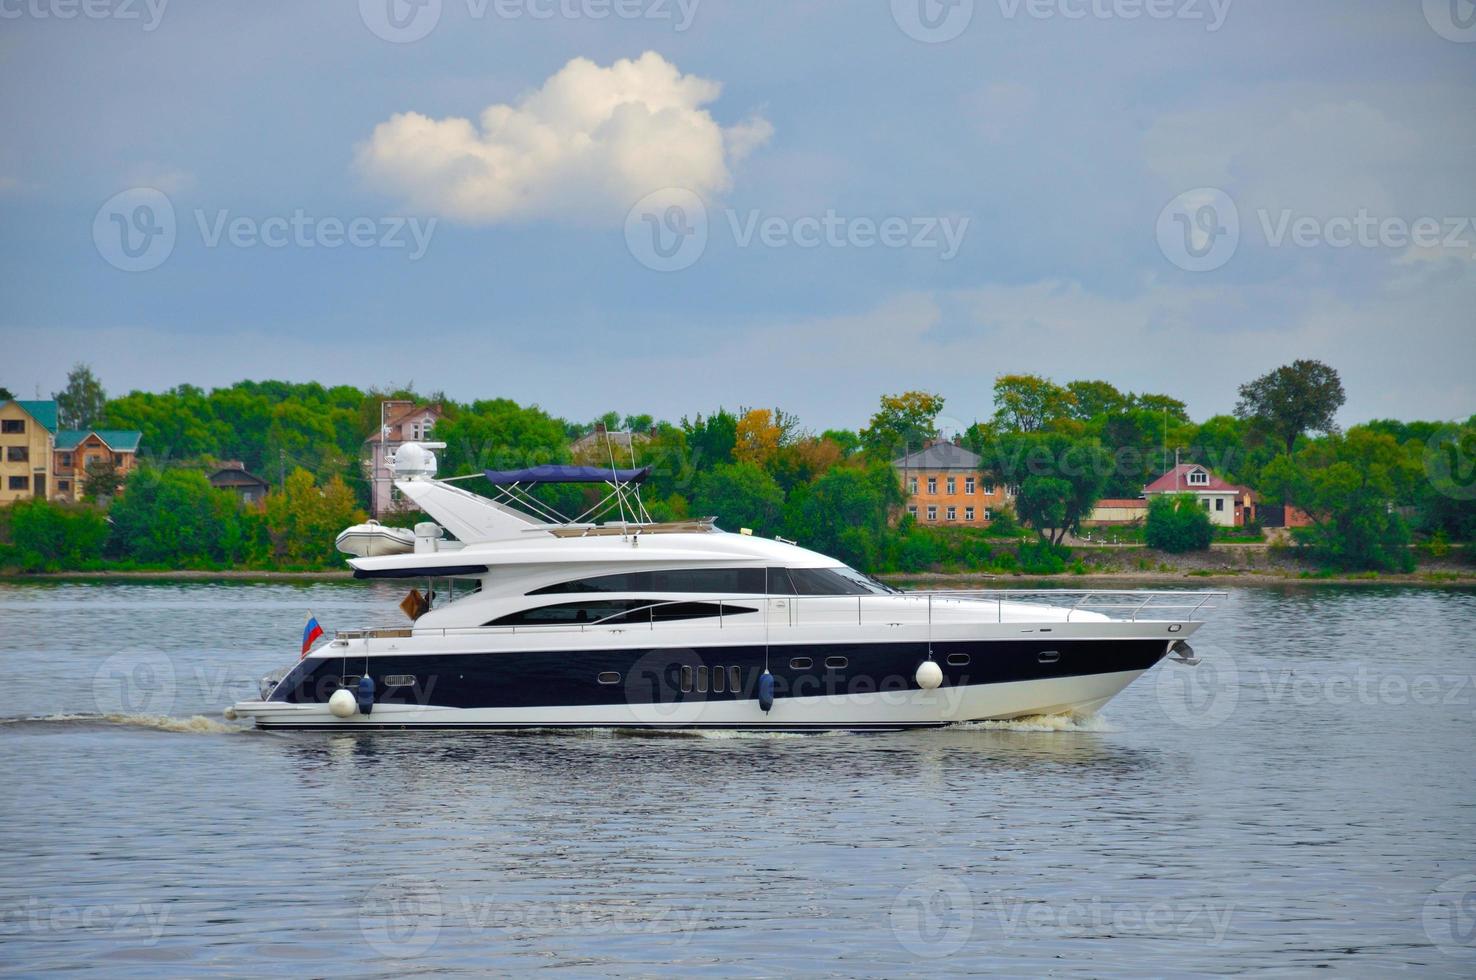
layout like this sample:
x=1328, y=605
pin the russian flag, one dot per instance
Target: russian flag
x=310, y=634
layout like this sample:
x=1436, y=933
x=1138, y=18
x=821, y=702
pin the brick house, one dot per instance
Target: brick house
x=944, y=484
x=402, y=421
x=76, y=449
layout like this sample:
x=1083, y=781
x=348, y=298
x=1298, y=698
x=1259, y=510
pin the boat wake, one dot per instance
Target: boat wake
x=195, y=724
x=1043, y=723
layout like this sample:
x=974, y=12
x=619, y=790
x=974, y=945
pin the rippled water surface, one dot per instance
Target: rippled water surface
x=1305, y=798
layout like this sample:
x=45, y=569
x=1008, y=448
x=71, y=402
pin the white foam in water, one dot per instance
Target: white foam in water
x=195, y=724
x=1045, y=723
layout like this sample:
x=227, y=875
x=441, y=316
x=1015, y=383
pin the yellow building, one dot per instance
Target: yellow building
x=27, y=429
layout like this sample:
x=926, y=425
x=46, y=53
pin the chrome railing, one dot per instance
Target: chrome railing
x=920, y=608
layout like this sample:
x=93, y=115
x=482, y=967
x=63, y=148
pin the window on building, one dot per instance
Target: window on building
x=12, y=426
x=1199, y=477
x=17, y=454
x=988, y=489
x=1206, y=503
x=932, y=513
x=988, y=514
x=932, y=484
x=912, y=486
x=1219, y=503
x=952, y=513
x=912, y=509
x=969, y=485
x=968, y=513
x=952, y=485
x=66, y=460
x=118, y=459
x=20, y=483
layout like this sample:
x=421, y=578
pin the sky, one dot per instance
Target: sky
x=667, y=206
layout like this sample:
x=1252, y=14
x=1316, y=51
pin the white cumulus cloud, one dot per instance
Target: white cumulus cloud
x=589, y=143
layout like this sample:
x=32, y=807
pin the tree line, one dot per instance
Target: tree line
x=1369, y=491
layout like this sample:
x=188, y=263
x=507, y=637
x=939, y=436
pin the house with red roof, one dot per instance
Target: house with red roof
x=1227, y=504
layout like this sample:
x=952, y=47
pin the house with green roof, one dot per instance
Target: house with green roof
x=77, y=450
x=38, y=458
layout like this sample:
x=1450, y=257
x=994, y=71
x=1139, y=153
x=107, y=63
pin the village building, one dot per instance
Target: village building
x=40, y=459
x=231, y=474
x=75, y=450
x=402, y=421
x=944, y=484
x=1227, y=504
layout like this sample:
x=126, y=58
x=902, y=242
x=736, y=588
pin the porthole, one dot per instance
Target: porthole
x=609, y=677
x=735, y=680
x=800, y=663
x=686, y=680
x=399, y=680
x=719, y=680
x=835, y=663
x=958, y=660
x=702, y=679
x=1049, y=656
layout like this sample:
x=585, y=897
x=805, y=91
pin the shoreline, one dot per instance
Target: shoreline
x=961, y=580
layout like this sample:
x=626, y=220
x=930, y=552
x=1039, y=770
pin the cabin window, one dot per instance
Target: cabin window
x=735, y=679
x=841, y=580
x=800, y=663
x=609, y=677
x=958, y=660
x=722, y=581
x=835, y=663
x=613, y=612
x=686, y=680
x=719, y=680
x=702, y=680
x=399, y=680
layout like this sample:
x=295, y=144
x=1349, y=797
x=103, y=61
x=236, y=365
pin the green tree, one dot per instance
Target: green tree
x=1027, y=402
x=80, y=405
x=1092, y=399
x=904, y=421
x=100, y=479
x=167, y=517
x=740, y=495
x=1178, y=523
x=303, y=519
x=710, y=441
x=847, y=440
x=6, y=394
x=1347, y=485
x=37, y=535
x=845, y=512
x=1303, y=396
x=1061, y=478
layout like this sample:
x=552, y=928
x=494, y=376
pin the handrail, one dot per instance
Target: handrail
x=1120, y=605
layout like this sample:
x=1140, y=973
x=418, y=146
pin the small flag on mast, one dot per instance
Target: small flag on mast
x=310, y=634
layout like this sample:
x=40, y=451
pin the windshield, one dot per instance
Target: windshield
x=865, y=581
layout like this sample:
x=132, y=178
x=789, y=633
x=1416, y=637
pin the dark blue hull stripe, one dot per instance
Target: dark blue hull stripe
x=670, y=675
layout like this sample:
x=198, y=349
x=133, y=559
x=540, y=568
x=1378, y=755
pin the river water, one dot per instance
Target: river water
x=1304, y=798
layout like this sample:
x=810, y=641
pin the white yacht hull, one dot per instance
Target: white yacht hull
x=853, y=712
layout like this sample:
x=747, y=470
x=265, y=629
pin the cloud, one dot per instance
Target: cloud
x=585, y=146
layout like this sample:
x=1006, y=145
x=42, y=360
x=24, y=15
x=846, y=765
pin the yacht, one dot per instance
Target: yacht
x=531, y=620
